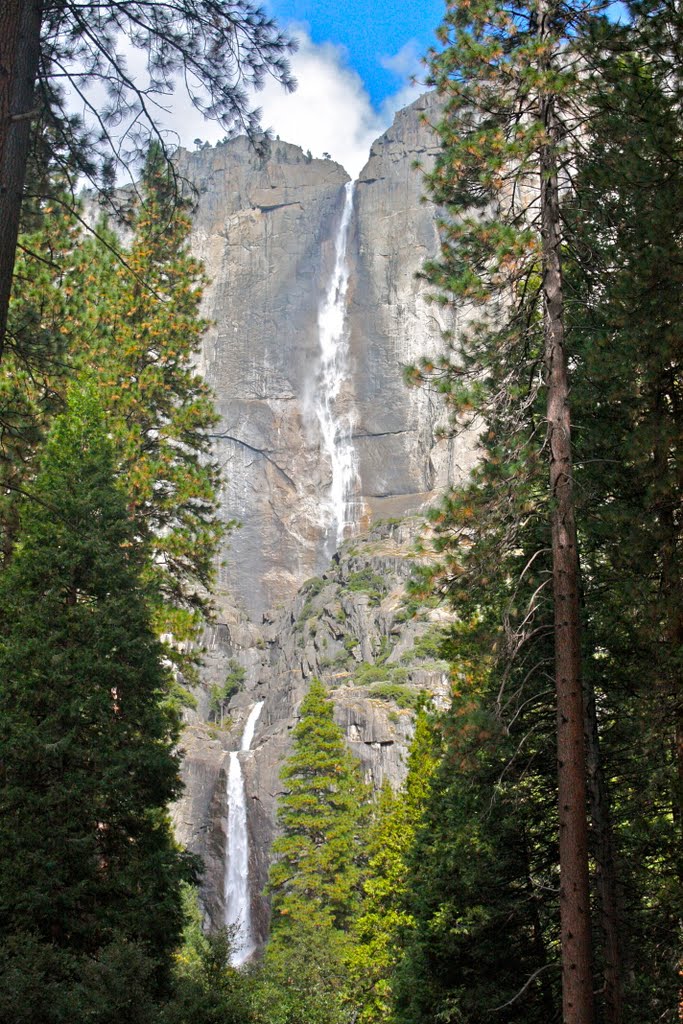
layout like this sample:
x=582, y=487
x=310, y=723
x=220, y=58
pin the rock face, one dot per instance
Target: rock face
x=266, y=231
x=267, y=228
x=353, y=627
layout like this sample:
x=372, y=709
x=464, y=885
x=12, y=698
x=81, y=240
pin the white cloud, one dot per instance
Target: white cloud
x=329, y=112
x=407, y=62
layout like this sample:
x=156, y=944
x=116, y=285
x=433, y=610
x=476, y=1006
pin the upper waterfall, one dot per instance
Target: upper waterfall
x=336, y=426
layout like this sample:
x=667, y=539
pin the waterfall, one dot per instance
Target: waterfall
x=335, y=427
x=237, y=901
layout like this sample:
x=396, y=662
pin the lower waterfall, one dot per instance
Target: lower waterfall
x=236, y=892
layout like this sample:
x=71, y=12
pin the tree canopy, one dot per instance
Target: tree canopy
x=87, y=737
x=53, y=51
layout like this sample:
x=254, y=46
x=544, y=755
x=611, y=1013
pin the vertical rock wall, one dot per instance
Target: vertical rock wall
x=265, y=227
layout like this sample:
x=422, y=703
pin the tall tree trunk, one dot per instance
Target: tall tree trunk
x=20, y=23
x=577, y=976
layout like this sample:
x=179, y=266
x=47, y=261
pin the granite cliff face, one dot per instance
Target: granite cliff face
x=266, y=229
x=289, y=605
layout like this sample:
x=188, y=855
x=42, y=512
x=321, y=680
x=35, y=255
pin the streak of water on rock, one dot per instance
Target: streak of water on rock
x=336, y=427
x=237, y=898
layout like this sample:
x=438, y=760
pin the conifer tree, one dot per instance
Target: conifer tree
x=481, y=873
x=620, y=257
x=214, y=47
x=315, y=876
x=86, y=741
x=512, y=81
x=135, y=327
x=44, y=316
x=383, y=915
x=144, y=337
x=628, y=299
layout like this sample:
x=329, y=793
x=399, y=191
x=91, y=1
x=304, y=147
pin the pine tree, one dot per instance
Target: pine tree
x=482, y=870
x=145, y=334
x=627, y=299
x=135, y=328
x=383, y=914
x=44, y=316
x=87, y=744
x=315, y=875
x=215, y=48
x=515, y=89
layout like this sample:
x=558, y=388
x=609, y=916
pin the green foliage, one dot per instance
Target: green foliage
x=484, y=866
x=43, y=983
x=410, y=610
x=369, y=672
x=219, y=51
x=145, y=334
x=628, y=473
x=310, y=589
x=134, y=327
x=383, y=918
x=340, y=661
x=396, y=691
x=302, y=980
x=315, y=873
x=89, y=864
x=220, y=696
x=482, y=886
x=367, y=581
x=45, y=312
x=315, y=878
x=428, y=646
x=206, y=989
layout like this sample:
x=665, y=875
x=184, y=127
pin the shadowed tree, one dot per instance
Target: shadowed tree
x=87, y=741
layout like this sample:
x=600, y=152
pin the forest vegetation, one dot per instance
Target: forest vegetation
x=531, y=868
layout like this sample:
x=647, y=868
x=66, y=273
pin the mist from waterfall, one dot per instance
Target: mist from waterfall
x=236, y=892
x=336, y=427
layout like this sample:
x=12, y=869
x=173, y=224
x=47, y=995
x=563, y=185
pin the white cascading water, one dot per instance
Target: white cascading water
x=237, y=901
x=336, y=428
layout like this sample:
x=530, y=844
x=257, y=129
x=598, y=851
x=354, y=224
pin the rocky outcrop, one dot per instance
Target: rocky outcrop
x=377, y=651
x=265, y=227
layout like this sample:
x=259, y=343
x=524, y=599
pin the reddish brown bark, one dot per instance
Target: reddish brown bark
x=20, y=22
x=577, y=975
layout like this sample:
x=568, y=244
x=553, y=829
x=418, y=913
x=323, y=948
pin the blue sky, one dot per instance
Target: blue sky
x=379, y=38
x=353, y=66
